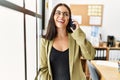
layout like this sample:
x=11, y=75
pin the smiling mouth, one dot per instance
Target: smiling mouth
x=60, y=21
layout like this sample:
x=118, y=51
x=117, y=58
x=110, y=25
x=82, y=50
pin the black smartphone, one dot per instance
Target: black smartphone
x=73, y=26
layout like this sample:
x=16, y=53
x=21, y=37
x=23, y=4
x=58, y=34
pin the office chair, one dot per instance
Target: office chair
x=93, y=72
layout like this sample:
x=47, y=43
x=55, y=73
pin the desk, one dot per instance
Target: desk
x=106, y=71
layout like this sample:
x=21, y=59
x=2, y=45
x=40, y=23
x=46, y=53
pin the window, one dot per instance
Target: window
x=20, y=24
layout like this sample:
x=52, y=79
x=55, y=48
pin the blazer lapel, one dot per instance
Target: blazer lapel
x=49, y=50
x=71, y=53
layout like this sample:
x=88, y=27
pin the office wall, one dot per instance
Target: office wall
x=111, y=15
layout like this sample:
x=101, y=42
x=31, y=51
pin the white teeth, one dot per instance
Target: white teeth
x=60, y=20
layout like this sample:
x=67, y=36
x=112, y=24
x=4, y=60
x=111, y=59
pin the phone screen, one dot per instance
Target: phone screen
x=73, y=26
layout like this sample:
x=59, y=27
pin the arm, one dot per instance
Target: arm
x=87, y=50
x=44, y=74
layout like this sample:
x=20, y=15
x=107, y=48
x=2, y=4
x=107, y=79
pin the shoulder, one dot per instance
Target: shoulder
x=77, y=34
x=43, y=41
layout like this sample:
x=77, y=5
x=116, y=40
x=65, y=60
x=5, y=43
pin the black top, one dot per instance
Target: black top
x=59, y=61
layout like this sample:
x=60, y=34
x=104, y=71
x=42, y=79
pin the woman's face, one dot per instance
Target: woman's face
x=61, y=17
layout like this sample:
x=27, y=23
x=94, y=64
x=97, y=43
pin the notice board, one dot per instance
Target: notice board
x=88, y=14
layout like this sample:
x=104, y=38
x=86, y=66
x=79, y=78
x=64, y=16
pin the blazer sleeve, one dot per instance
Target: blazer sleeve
x=87, y=50
x=44, y=73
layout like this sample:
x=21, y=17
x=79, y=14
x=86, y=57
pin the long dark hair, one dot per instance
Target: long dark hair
x=51, y=28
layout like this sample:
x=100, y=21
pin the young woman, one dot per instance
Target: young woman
x=62, y=46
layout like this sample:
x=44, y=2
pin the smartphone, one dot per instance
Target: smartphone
x=73, y=26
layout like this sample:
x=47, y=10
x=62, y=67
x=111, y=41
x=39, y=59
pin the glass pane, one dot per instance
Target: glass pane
x=40, y=26
x=11, y=45
x=39, y=6
x=31, y=46
x=17, y=2
x=31, y=5
x=39, y=35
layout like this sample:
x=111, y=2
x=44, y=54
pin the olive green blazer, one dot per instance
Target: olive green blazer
x=78, y=46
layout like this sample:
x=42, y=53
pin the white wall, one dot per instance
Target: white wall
x=111, y=19
x=111, y=15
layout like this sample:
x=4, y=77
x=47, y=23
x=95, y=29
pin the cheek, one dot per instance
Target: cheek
x=67, y=21
x=55, y=19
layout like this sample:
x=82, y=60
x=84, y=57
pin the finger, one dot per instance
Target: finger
x=71, y=28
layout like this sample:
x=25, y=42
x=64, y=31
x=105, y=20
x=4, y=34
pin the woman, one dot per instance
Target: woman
x=62, y=46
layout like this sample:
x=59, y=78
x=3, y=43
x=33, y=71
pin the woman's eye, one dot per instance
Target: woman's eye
x=58, y=12
x=65, y=14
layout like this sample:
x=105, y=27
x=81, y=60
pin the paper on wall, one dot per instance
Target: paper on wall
x=95, y=20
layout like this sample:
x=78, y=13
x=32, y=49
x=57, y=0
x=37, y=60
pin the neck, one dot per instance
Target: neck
x=62, y=33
